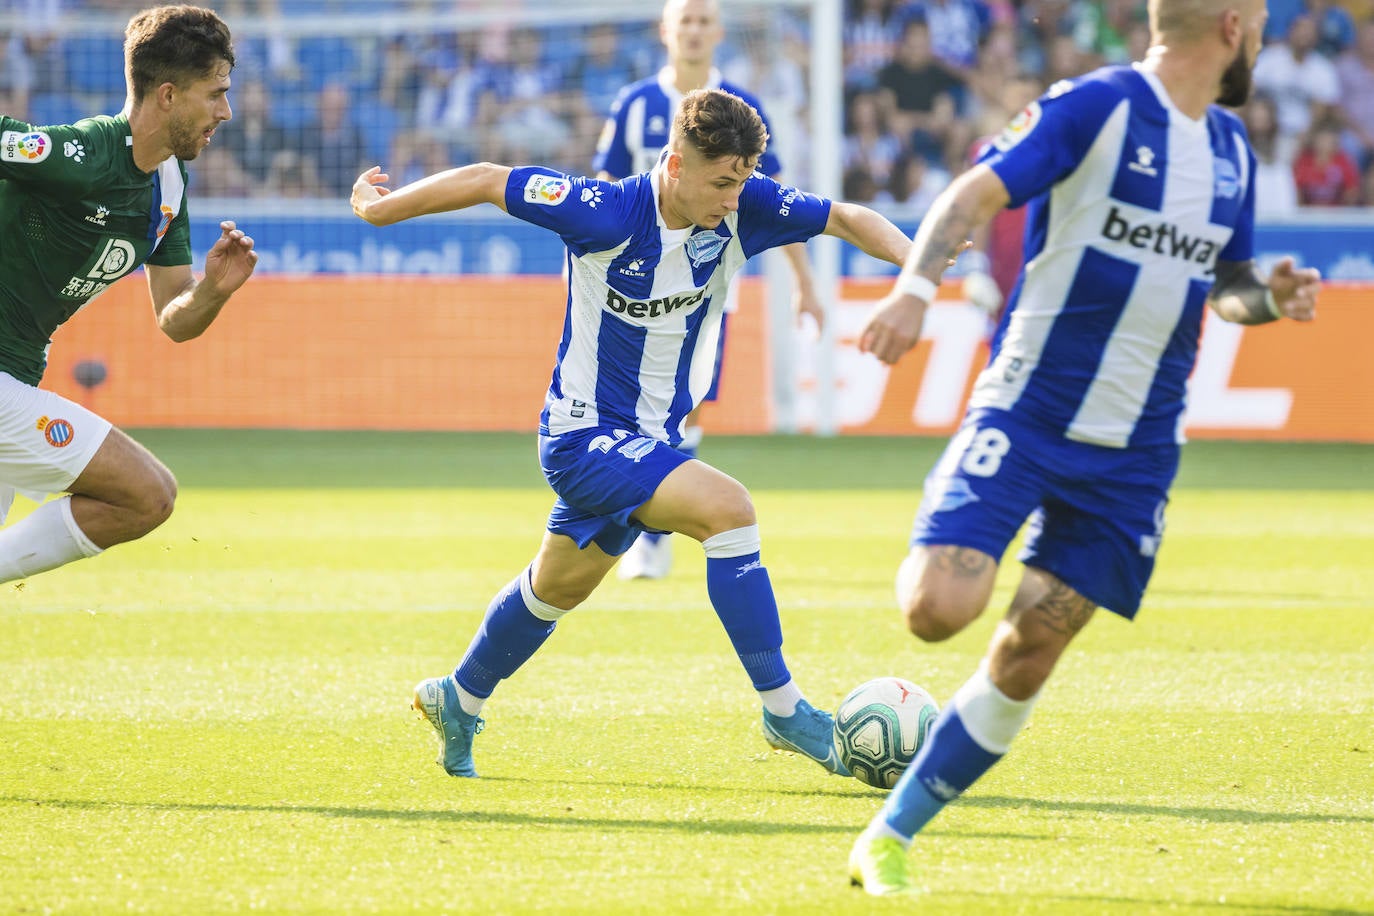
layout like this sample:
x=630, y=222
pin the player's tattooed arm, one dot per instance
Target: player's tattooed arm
x=1241, y=295
x=972, y=200
x=894, y=324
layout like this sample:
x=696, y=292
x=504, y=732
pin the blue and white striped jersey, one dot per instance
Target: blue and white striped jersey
x=1131, y=205
x=644, y=301
x=641, y=117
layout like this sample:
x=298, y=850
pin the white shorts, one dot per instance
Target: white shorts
x=46, y=441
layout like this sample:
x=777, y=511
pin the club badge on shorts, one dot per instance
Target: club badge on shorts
x=59, y=433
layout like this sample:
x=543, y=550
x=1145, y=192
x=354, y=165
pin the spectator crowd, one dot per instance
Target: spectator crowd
x=925, y=83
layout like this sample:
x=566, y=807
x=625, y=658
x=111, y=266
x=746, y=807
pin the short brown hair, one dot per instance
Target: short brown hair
x=720, y=125
x=173, y=44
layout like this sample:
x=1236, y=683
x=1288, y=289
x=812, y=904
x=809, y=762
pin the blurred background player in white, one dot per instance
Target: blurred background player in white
x=650, y=258
x=81, y=206
x=631, y=142
x=1141, y=198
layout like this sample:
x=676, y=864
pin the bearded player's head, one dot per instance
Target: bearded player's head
x=177, y=59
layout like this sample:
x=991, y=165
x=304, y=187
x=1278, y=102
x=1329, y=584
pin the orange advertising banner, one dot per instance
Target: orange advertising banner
x=351, y=353
x=476, y=354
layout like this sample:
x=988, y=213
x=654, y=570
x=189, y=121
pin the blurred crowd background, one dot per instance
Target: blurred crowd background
x=924, y=83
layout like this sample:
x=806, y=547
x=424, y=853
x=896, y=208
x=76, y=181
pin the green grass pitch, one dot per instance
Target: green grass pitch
x=214, y=719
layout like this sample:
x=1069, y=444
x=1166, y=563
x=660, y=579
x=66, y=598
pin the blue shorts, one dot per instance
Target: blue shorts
x=1096, y=514
x=714, y=392
x=601, y=476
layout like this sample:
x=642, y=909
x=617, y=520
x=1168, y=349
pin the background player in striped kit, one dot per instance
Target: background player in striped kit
x=650, y=258
x=1141, y=193
x=631, y=142
x=81, y=206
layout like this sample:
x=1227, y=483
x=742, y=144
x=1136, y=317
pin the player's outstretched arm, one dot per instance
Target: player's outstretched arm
x=894, y=325
x=868, y=230
x=454, y=189
x=1241, y=295
x=184, y=306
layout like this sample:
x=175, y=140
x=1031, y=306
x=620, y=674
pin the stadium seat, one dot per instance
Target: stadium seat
x=56, y=108
x=327, y=60
x=95, y=64
x=379, y=122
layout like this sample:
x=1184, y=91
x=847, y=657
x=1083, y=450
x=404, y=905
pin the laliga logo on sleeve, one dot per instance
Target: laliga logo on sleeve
x=32, y=147
x=1018, y=128
x=546, y=190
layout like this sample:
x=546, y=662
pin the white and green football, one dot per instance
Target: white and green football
x=880, y=726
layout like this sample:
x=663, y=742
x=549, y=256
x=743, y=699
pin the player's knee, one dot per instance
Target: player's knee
x=935, y=603
x=731, y=509
x=154, y=501
x=565, y=596
x=933, y=620
x=935, y=609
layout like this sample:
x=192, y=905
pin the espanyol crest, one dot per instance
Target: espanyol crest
x=705, y=245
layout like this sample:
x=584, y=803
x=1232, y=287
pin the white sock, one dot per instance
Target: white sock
x=781, y=701
x=469, y=703
x=990, y=717
x=879, y=828
x=46, y=539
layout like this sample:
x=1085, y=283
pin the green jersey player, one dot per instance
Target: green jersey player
x=82, y=205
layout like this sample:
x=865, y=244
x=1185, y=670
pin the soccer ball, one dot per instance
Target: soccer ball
x=879, y=728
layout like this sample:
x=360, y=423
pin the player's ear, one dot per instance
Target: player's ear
x=1232, y=27
x=165, y=94
x=673, y=165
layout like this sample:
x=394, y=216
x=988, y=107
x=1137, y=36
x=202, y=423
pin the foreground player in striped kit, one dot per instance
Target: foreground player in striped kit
x=649, y=260
x=1142, y=195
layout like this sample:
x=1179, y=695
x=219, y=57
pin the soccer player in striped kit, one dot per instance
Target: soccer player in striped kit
x=631, y=141
x=1141, y=192
x=649, y=260
x=81, y=206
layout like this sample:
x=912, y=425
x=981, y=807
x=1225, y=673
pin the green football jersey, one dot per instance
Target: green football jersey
x=76, y=214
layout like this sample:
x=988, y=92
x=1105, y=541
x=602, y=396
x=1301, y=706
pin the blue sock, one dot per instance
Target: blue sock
x=510, y=633
x=948, y=763
x=742, y=595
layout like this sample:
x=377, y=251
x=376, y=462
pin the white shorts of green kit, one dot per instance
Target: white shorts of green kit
x=46, y=441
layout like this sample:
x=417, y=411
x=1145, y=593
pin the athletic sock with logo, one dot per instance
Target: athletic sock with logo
x=516, y=624
x=971, y=734
x=742, y=595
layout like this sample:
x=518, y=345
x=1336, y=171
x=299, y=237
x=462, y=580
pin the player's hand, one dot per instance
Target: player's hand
x=1295, y=289
x=367, y=190
x=893, y=327
x=231, y=260
x=806, y=302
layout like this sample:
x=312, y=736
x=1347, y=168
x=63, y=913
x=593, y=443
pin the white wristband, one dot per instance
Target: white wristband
x=1271, y=305
x=916, y=285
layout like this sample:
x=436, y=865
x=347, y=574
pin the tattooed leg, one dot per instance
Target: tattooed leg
x=1045, y=616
